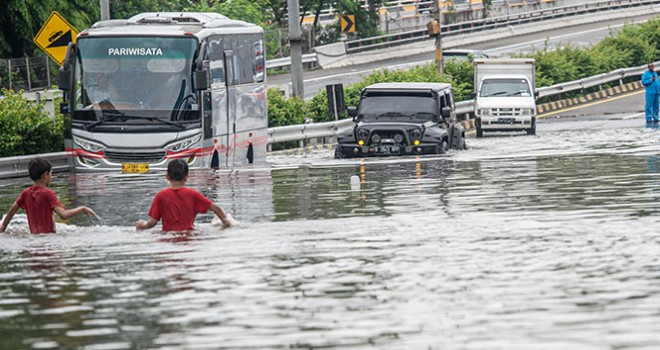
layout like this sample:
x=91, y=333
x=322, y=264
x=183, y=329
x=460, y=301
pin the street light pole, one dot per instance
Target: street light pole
x=295, y=42
x=105, y=10
x=438, y=38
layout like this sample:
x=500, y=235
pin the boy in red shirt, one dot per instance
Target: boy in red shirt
x=178, y=205
x=39, y=201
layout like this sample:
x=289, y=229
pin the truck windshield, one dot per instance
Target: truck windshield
x=138, y=76
x=398, y=108
x=505, y=87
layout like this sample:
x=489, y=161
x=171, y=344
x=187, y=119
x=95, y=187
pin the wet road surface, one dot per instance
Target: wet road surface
x=520, y=242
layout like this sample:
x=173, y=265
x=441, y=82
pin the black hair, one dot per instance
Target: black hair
x=177, y=170
x=37, y=167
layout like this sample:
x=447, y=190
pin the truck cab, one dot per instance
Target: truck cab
x=505, y=96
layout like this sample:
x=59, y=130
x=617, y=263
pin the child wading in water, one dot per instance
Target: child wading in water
x=178, y=205
x=39, y=201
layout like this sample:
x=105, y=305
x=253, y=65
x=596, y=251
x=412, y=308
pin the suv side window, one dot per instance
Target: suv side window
x=450, y=100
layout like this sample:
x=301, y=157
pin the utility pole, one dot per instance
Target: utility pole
x=438, y=38
x=105, y=10
x=295, y=42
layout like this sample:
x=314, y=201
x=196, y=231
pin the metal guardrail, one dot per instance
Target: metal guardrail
x=331, y=129
x=492, y=23
x=388, y=40
x=18, y=166
x=286, y=61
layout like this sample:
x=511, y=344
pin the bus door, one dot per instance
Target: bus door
x=231, y=80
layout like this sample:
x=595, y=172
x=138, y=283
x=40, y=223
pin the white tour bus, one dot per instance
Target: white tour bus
x=159, y=86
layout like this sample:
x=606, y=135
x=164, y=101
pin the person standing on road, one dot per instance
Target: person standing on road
x=650, y=81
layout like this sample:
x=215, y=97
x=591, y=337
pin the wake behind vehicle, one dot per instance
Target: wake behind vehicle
x=402, y=119
x=159, y=86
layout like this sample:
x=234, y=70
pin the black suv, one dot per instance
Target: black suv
x=402, y=119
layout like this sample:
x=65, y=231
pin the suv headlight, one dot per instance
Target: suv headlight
x=87, y=145
x=484, y=111
x=184, y=144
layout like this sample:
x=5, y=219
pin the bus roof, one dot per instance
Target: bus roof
x=201, y=24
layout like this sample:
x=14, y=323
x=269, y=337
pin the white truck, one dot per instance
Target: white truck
x=505, y=95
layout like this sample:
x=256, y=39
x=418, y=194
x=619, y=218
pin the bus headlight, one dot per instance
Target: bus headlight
x=88, y=145
x=184, y=144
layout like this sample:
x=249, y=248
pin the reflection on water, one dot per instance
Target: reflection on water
x=527, y=246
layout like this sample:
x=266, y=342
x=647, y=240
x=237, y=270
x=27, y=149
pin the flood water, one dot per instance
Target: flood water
x=546, y=242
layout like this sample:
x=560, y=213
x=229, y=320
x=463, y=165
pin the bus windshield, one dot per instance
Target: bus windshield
x=136, y=76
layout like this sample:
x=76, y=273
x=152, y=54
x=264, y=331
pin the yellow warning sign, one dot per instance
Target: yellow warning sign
x=54, y=37
x=347, y=23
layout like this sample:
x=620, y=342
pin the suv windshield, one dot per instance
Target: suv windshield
x=140, y=76
x=398, y=108
x=505, y=87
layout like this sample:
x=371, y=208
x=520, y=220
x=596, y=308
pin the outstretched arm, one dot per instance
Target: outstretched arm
x=66, y=214
x=143, y=225
x=10, y=214
x=221, y=215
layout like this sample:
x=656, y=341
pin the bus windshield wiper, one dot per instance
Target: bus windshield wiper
x=106, y=116
x=122, y=115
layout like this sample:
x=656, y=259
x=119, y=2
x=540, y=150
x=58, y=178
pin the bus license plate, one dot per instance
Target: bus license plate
x=134, y=168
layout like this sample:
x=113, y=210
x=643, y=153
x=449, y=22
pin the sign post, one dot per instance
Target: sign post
x=54, y=37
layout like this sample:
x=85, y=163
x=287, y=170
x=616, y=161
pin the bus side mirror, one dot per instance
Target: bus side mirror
x=64, y=79
x=201, y=80
x=64, y=76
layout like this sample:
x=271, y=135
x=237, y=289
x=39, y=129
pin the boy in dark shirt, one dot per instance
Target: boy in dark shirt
x=178, y=205
x=39, y=201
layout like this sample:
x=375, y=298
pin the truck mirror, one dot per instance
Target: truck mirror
x=446, y=112
x=352, y=111
x=473, y=95
x=201, y=80
x=536, y=94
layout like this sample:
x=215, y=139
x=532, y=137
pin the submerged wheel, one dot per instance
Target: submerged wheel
x=532, y=130
x=338, y=153
x=461, y=144
x=442, y=147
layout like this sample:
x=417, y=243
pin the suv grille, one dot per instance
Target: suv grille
x=135, y=157
x=388, y=137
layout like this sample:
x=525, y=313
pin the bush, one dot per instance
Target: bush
x=26, y=128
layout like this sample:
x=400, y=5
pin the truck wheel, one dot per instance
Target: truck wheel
x=532, y=130
x=462, y=145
